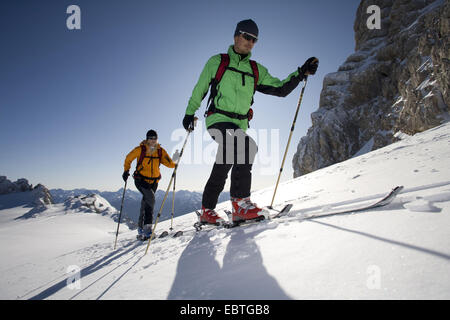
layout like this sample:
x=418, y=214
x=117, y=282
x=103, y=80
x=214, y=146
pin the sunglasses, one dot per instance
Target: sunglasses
x=249, y=37
x=152, y=138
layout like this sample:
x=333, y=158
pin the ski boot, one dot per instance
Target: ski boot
x=244, y=210
x=144, y=233
x=208, y=216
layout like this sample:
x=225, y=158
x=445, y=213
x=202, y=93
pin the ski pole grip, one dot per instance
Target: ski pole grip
x=193, y=124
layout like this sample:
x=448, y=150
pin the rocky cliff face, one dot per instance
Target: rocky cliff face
x=397, y=80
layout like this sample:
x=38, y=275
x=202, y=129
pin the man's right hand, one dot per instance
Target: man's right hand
x=125, y=175
x=188, y=122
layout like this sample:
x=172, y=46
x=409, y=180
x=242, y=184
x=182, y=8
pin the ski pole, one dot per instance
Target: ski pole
x=173, y=202
x=289, y=140
x=191, y=128
x=120, y=214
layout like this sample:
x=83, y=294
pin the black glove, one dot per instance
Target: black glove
x=310, y=66
x=188, y=122
x=125, y=175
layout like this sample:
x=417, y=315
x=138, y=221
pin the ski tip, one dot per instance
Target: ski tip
x=164, y=234
x=178, y=234
x=287, y=208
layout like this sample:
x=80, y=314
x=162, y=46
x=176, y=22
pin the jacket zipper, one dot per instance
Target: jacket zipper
x=151, y=167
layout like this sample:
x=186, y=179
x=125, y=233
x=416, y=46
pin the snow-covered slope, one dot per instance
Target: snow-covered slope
x=401, y=251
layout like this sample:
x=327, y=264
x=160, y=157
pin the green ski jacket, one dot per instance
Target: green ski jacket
x=235, y=92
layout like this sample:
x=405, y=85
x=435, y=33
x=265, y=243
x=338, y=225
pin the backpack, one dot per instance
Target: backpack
x=141, y=159
x=223, y=66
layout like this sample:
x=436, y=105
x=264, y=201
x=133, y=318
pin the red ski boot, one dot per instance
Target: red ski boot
x=244, y=209
x=209, y=216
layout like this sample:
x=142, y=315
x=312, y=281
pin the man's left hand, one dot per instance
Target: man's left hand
x=310, y=66
x=176, y=156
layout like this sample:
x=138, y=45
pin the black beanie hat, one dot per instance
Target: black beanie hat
x=247, y=26
x=151, y=134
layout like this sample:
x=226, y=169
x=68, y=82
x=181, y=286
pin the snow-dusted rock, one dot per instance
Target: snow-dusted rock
x=92, y=203
x=21, y=192
x=41, y=196
x=6, y=186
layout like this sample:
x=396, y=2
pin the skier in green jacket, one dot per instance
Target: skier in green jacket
x=228, y=116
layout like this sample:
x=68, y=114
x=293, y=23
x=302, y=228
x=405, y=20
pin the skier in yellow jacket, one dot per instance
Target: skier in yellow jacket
x=150, y=155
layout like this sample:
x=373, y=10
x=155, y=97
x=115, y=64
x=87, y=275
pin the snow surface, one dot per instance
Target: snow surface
x=401, y=251
x=366, y=148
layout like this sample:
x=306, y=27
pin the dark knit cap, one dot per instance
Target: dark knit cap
x=152, y=134
x=247, y=26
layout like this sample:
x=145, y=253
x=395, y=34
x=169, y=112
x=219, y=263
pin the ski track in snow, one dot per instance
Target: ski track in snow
x=287, y=258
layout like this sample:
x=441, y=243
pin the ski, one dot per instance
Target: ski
x=387, y=199
x=144, y=238
x=278, y=214
x=233, y=224
x=166, y=234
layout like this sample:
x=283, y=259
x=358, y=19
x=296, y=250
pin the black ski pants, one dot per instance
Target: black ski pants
x=237, y=152
x=148, y=200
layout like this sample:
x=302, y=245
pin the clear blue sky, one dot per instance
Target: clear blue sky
x=73, y=103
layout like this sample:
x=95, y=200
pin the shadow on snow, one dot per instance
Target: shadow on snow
x=242, y=276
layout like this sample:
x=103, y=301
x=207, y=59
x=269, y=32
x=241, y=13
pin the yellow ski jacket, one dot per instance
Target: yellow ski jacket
x=149, y=168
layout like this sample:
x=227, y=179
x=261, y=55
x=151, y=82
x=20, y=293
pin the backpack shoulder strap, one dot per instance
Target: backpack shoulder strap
x=159, y=155
x=255, y=70
x=224, y=62
x=141, y=156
